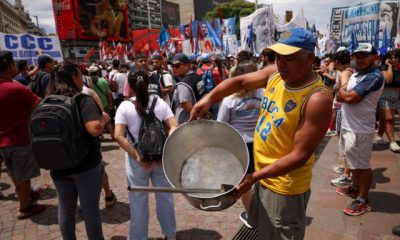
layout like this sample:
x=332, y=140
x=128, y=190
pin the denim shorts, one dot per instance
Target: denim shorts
x=389, y=99
x=20, y=162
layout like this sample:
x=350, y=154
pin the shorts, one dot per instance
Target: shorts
x=278, y=216
x=20, y=162
x=251, y=158
x=389, y=99
x=356, y=149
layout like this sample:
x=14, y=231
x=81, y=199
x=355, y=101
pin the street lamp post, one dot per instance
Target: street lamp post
x=37, y=21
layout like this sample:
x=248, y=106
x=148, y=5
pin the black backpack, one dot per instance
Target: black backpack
x=37, y=85
x=152, y=136
x=56, y=131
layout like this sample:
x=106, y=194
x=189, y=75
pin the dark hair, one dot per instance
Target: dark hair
x=62, y=80
x=139, y=82
x=244, y=55
x=21, y=64
x=6, y=60
x=270, y=54
x=343, y=57
x=395, y=52
x=115, y=63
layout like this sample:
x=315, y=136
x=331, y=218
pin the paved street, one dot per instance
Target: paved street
x=326, y=219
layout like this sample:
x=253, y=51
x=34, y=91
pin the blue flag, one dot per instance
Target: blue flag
x=353, y=41
x=214, y=36
x=226, y=47
x=218, y=26
x=376, y=37
x=384, y=39
x=230, y=23
x=163, y=37
x=250, y=37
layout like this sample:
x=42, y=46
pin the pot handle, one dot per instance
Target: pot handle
x=210, y=206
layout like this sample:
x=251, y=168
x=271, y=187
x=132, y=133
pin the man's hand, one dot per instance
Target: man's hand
x=200, y=109
x=244, y=186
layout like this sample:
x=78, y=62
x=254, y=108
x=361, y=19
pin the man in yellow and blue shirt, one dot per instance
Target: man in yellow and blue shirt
x=295, y=114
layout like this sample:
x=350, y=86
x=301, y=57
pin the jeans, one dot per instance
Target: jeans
x=87, y=186
x=139, y=202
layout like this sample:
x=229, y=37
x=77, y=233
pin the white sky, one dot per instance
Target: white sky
x=316, y=11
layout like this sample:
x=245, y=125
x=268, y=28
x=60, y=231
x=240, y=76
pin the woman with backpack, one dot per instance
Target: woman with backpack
x=85, y=179
x=129, y=117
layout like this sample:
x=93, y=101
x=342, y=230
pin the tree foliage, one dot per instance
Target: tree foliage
x=238, y=8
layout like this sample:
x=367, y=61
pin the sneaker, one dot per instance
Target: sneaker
x=396, y=230
x=243, y=216
x=341, y=181
x=379, y=140
x=110, y=200
x=331, y=133
x=394, y=147
x=31, y=210
x=357, y=208
x=338, y=170
x=348, y=191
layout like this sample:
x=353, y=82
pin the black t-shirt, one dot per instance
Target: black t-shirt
x=89, y=112
x=154, y=84
x=396, y=78
x=197, y=85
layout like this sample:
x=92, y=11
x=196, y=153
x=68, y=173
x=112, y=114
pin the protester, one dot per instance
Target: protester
x=186, y=92
x=140, y=64
x=138, y=171
x=294, y=117
x=46, y=66
x=268, y=58
x=16, y=105
x=241, y=111
x=342, y=59
x=24, y=75
x=389, y=102
x=120, y=77
x=360, y=98
x=102, y=89
x=85, y=180
x=161, y=81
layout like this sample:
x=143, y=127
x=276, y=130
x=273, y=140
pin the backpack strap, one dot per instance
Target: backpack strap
x=153, y=105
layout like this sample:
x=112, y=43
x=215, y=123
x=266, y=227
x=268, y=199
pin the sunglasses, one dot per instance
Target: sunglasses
x=176, y=65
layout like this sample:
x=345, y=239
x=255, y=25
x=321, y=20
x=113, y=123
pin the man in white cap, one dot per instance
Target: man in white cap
x=294, y=117
x=360, y=98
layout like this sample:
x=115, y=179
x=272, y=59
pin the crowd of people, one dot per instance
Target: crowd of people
x=283, y=103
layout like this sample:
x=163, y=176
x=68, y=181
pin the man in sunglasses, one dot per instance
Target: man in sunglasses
x=360, y=98
x=188, y=90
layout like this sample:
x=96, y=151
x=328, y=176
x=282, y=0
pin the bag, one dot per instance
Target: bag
x=55, y=129
x=36, y=85
x=208, y=79
x=152, y=136
x=113, y=84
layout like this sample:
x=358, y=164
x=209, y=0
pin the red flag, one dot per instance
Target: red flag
x=89, y=54
x=199, y=32
x=220, y=14
x=191, y=33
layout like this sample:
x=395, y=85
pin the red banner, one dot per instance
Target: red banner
x=64, y=16
x=105, y=20
x=146, y=40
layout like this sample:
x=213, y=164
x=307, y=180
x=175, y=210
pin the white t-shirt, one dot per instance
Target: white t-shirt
x=242, y=112
x=121, y=79
x=360, y=117
x=128, y=116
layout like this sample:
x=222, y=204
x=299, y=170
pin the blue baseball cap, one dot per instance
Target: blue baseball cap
x=205, y=57
x=294, y=40
x=179, y=58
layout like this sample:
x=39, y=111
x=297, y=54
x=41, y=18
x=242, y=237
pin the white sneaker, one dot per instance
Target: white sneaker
x=394, y=147
x=379, y=140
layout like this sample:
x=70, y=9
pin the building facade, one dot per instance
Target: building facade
x=144, y=14
x=186, y=8
x=15, y=20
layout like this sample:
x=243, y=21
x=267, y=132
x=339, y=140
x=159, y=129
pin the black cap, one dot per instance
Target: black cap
x=6, y=57
x=43, y=60
x=179, y=58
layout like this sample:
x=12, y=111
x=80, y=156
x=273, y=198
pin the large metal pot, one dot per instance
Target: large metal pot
x=206, y=154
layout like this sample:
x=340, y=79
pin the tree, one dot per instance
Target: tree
x=237, y=8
